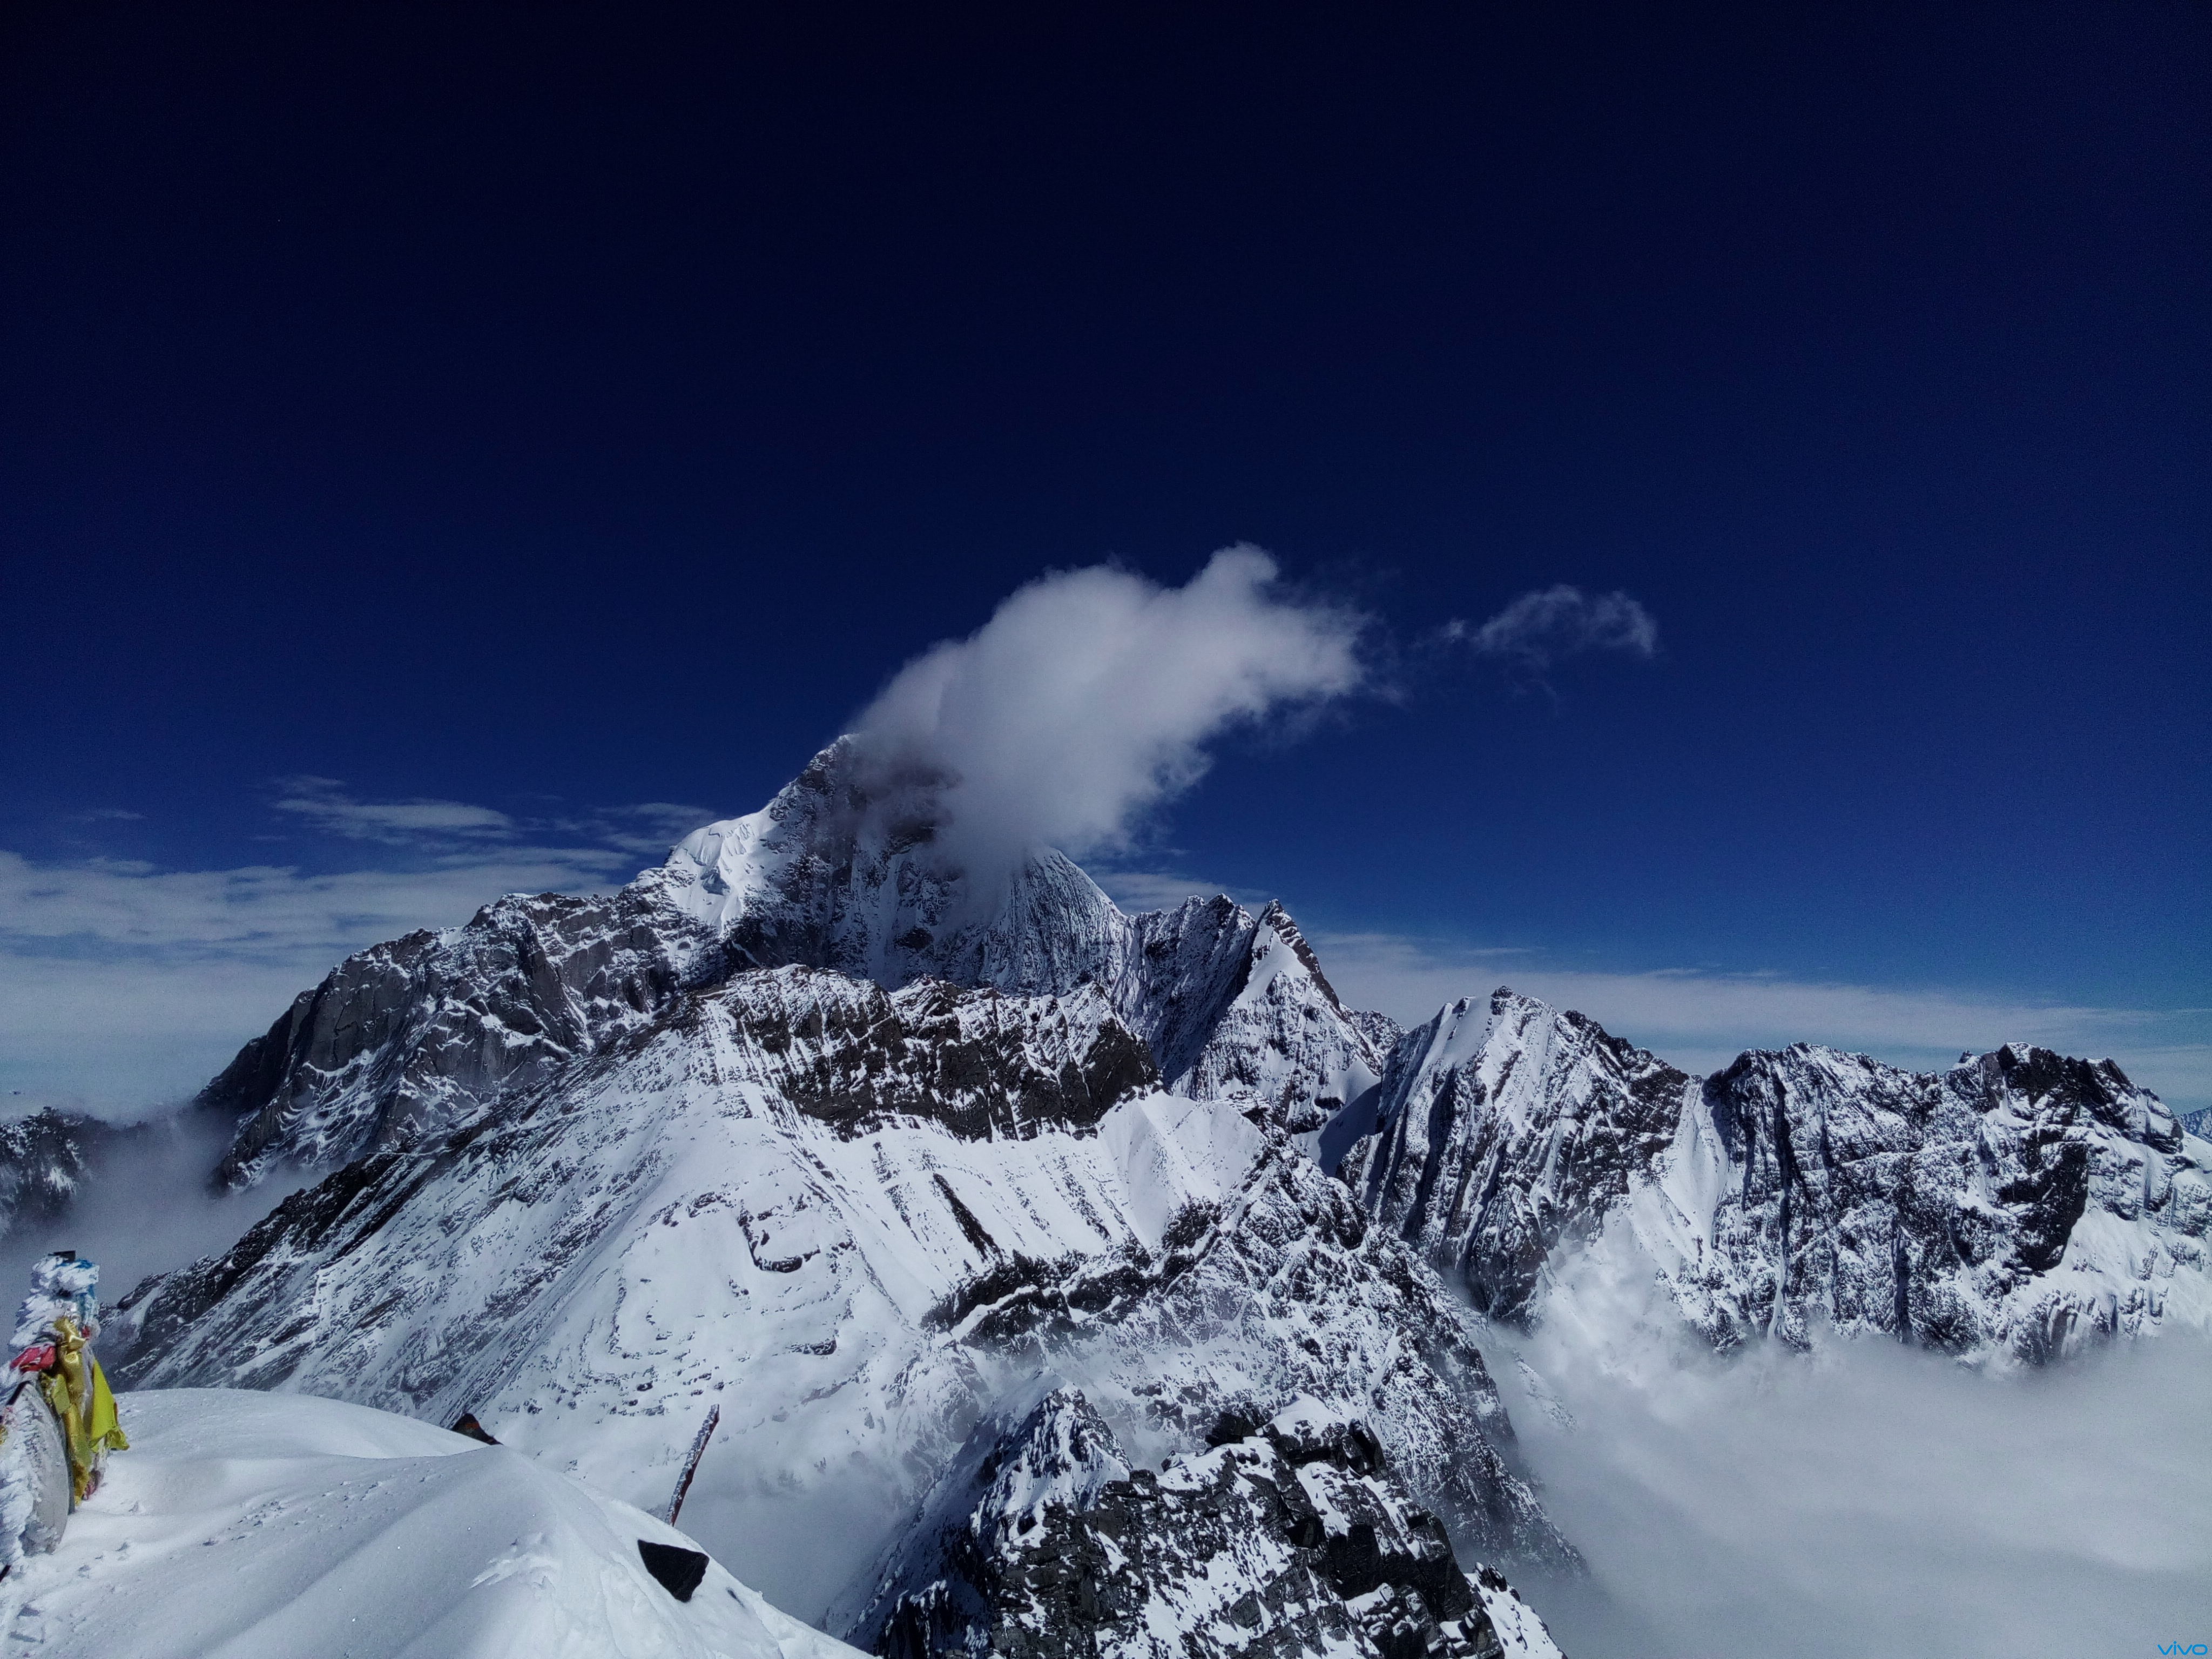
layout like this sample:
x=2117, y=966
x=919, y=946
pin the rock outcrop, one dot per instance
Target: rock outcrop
x=1288, y=1536
x=2013, y=1207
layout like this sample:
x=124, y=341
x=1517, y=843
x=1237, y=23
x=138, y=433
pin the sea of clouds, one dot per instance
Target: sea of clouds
x=1872, y=1501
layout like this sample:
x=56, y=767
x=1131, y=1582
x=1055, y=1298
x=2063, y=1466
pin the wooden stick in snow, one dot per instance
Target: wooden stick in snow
x=691, y=1463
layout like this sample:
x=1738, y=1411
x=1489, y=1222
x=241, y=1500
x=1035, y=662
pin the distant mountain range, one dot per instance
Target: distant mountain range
x=1060, y=1269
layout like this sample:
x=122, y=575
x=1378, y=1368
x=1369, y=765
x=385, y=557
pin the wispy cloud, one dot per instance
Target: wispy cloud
x=109, y=906
x=124, y=984
x=1157, y=890
x=324, y=803
x=648, y=829
x=1701, y=1020
x=1547, y=624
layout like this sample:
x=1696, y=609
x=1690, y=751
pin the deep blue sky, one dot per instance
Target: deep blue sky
x=492, y=403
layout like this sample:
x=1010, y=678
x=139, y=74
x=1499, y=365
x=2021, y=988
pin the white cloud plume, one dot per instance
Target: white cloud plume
x=1091, y=696
x=1548, y=623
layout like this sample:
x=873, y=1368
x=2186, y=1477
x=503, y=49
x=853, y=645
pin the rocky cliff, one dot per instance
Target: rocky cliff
x=2014, y=1206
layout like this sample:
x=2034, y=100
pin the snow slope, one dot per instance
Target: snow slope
x=253, y=1526
x=855, y=1219
x=2013, y=1208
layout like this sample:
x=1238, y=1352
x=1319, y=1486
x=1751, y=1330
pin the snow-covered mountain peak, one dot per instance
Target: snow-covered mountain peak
x=1062, y=1454
x=843, y=870
x=839, y=873
x=2012, y=1207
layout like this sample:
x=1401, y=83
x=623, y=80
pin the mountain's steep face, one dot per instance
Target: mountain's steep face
x=1502, y=1130
x=1288, y=1536
x=2015, y=1206
x=409, y=1038
x=853, y=1218
x=43, y=1160
x=1236, y=1006
x=841, y=871
x=412, y=1039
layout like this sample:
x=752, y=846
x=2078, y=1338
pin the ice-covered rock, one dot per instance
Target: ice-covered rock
x=1289, y=1536
x=2014, y=1206
x=44, y=1157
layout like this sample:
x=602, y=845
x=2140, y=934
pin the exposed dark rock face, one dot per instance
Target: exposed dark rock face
x=1236, y=1006
x=1380, y=1029
x=1289, y=1536
x=1796, y=1189
x=1494, y=1140
x=409, y=1039
x=855, y=1056
x=43, y=1163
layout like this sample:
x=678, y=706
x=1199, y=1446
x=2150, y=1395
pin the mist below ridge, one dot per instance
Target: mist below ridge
x=1872, y=1501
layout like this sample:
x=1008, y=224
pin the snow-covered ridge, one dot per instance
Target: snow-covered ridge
x=412, y=1038
x=2014, y=1207
x=267, y=1526
x=415, y=1038
x=853, y=1218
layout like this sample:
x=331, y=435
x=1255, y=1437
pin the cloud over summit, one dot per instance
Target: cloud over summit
x=1090, y=696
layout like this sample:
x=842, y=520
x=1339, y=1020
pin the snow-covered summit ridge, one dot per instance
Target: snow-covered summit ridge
x=842, y=871
x=415, y=1038
x=2013, y=1207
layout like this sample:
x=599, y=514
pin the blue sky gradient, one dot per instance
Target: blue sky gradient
x=577, y=419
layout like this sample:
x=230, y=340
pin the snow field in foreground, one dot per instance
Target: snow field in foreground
x=255, y=1526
